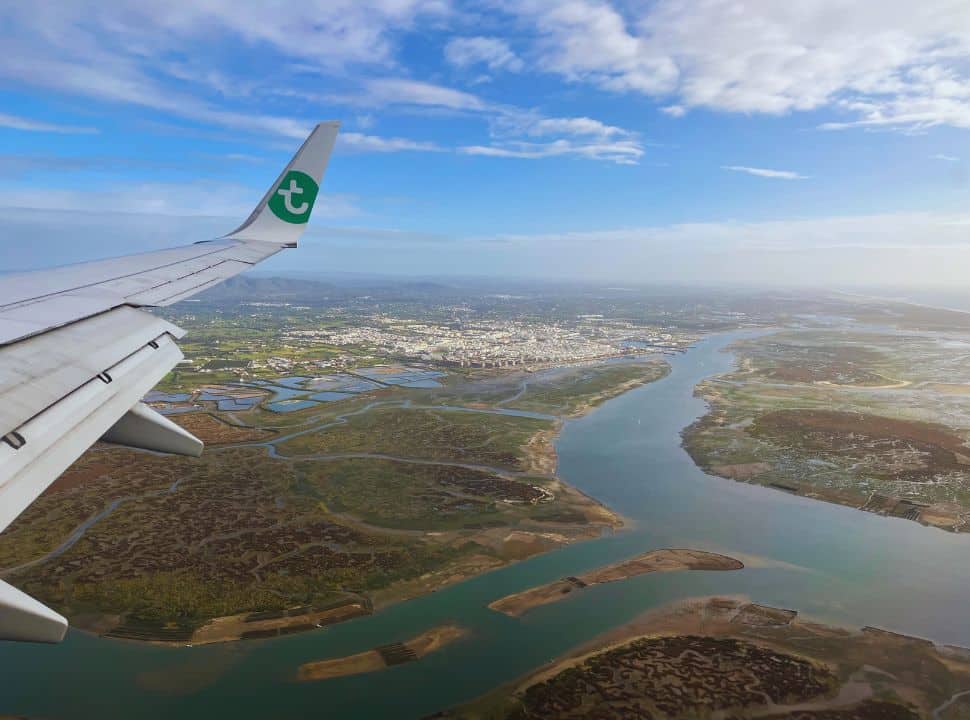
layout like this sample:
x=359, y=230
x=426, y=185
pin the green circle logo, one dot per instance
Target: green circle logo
x=294, y=198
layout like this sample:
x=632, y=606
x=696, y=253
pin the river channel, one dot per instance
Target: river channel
x=833, y=563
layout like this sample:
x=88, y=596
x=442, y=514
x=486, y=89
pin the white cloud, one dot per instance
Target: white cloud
x=136, y=54
x=573, y=126
x=15, y=122
x=945, y=158
x=382, y=92
x=765, y=173
x=893, y=63
x=130, y=52
x=622, y=152
x=327, y=33
x=492, y=52
x=507, y=123
x=359, y=142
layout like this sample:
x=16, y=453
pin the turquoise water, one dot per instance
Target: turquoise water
x=835, y=563
x=286, y=406
x=330, y=396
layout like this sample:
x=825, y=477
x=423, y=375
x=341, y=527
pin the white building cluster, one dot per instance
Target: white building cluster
x=496, y=343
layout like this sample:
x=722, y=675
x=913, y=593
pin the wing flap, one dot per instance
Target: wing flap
x=54, y=438
x=143, y=428
x=37, y=372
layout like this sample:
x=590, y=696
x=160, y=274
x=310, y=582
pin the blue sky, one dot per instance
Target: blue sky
x=819, y=141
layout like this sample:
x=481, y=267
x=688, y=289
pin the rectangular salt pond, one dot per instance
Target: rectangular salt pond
x=330, y=396
x=282, y=393
x=285, y=406
x=341, y=383
x=238, y=403
x=177, y=410
x=403, y=376
x=294, y=382
x=156, y=396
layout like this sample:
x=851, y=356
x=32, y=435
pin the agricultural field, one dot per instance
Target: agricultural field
x=879, y=421
x=729, y=657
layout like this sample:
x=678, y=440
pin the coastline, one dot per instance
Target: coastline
x=949, y=517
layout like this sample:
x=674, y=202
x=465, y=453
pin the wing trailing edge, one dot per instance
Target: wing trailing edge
x=25, y=619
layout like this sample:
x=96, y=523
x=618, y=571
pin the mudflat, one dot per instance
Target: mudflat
x=382, y=657
x=667, y=560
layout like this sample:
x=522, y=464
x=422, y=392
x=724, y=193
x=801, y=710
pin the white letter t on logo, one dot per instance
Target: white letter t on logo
x=288, y=199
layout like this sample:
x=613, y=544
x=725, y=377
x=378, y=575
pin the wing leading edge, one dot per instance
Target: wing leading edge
x=77, y=355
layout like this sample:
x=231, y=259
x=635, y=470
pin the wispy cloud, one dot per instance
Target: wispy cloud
x=121, y=54
x=512, y=127
x=15, y=122
x=945, y=158
x=765, y=172
x=492, y=52
x=902, y=66
x=387, y=91
x=622, y=152
x=135, y=54
x=359, y=142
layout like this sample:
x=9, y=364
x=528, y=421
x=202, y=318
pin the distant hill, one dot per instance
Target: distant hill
x=253, y=287
x=246, y=287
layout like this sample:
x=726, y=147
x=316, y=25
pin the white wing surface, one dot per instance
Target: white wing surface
x=77, y=354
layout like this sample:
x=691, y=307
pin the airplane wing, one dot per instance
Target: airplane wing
x=77, y=353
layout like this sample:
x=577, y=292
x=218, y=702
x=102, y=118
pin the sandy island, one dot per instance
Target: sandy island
x=246, y=626
x=667, y=560
x=383, y=657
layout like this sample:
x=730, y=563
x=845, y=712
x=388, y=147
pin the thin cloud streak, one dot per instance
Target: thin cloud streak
x=765, y=172
x=15, y=122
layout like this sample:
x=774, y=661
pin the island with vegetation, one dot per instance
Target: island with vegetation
x=727, y=657
x=667, y=560
x=384, y=656
x=876, y=420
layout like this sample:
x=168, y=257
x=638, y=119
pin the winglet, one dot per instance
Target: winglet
x=282, y=214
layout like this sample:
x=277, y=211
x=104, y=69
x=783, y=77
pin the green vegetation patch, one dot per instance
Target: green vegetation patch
x=899, y=448
x=890, y=448
x=418, y=497
x=237, y=532
x=469, y=438
x=674, y=677
x=579, y=388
